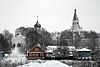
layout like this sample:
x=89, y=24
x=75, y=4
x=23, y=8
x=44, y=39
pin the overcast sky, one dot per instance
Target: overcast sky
x=54, y=15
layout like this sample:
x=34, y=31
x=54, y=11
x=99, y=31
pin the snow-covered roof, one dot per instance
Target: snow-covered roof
x=83, y=49
x=49, y=51
x=46, y=64
x=19, y=39
x=37, y=45
x=71, y=48
x=21, y=36
x=51, y=48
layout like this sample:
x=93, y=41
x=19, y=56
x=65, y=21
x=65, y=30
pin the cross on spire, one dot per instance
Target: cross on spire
x=37, y=18
x=75, y=4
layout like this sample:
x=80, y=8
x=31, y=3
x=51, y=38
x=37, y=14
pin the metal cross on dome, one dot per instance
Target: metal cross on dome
x=37, y=18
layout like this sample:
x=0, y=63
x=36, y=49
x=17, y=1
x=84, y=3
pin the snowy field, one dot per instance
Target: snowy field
x=52, y=63
x=17, y=59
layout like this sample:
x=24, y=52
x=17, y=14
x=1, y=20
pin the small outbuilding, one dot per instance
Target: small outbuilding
x=36, y=53
x=50, y=50
x=71, y=50
x=1, y=55
x=84, y=53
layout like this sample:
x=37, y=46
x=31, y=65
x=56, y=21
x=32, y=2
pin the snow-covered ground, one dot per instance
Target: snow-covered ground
x=52, y=63
x=16, y=57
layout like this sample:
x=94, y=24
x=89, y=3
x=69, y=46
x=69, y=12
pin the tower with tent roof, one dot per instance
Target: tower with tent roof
x=75, y=28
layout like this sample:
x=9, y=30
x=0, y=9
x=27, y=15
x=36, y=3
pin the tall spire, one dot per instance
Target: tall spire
x=75, y=16
x=75, y=24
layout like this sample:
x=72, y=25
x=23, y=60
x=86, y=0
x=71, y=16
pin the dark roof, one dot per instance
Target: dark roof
x=75, y=17
x=37, y=25
x=36, y=46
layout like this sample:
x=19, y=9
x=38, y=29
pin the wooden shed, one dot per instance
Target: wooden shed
x=36, y=53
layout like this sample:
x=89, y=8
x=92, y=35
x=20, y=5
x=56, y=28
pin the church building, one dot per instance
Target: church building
x=19, y=41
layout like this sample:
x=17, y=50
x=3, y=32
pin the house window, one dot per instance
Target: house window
x=42, y=54
x=30, y=54
x=73, y=23
x=18, y=45
x=36, y=49
x=13, y=45
x=33, y=54
x=37, y=54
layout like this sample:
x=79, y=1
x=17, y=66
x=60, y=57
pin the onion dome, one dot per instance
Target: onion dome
x=37, y=25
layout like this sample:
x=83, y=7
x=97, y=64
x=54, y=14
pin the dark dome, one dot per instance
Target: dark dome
x=37, y=25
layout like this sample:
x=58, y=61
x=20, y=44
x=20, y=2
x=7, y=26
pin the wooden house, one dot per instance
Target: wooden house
x=36, y=53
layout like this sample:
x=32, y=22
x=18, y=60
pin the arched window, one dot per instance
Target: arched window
x=13, y=45
x=73, y=23
x=18, y=45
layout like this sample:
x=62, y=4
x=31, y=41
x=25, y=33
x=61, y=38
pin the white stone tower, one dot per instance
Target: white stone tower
x=75, y=23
